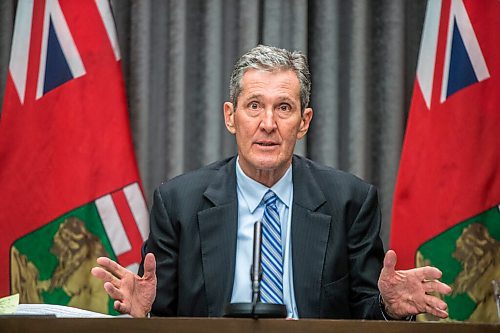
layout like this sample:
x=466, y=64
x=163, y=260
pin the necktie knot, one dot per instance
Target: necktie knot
x=270, y=198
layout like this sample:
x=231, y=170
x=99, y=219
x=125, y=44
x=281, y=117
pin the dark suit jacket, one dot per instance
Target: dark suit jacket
x=336, y=249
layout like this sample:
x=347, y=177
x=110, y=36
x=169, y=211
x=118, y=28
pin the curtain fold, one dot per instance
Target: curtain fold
x=177, y=57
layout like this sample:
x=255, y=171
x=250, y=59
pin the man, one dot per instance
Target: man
x=322, y=255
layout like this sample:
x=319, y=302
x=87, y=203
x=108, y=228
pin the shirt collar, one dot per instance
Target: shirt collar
x=253, y=191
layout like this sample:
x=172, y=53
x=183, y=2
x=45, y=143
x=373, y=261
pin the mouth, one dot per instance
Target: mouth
x=266, y=143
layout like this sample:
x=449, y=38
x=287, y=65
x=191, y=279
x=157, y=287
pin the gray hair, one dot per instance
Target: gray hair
x=269, y=58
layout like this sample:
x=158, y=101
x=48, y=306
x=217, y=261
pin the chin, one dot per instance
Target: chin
x=269, y=164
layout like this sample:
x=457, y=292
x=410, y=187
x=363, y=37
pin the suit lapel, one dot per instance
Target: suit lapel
x=218, y=233
x=310, y=230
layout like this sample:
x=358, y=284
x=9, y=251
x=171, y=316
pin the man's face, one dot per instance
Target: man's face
x=267, y=123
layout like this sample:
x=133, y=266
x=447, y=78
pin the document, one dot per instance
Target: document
x=60, y=311
x=8, y=305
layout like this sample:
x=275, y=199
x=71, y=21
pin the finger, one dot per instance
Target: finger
x=390, y=261
x=113, y=292
x=149, y=266
x=429, y=273
x=436, y=286
x=121, y=307
x=112, y=266
x=105, y=276
x=436, y=302
x=98, y=272
x=443, y=314
x=436, y=306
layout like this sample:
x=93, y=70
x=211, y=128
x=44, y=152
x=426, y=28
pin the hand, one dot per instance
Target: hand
x=407, y=292
x=133, y=294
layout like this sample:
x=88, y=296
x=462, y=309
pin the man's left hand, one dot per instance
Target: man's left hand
x=407, y=292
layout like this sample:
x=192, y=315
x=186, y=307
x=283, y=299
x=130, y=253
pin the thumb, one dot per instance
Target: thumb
x=149, y=266
x=390, y=260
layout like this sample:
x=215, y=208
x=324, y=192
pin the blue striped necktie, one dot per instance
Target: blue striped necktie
x=272, y=254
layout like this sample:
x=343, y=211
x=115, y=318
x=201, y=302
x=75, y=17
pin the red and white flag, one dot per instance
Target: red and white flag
x=446, y=211
x=69, y=185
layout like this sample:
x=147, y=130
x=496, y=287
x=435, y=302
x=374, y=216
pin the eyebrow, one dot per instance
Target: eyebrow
x=254, y=96
x=280, y=98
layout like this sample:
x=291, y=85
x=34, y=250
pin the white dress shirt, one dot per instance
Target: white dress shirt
x=250, y=210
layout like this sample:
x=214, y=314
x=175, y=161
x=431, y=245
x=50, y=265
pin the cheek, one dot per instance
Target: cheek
x=243, y=138
x=245, y=134
x=289, y=141
x=290, y=136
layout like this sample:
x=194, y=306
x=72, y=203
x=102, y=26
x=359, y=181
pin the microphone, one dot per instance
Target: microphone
x=256, y=268
x=256, y=309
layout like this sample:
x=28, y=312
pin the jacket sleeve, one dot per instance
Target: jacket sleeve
x=366, y=255
x=163, y=242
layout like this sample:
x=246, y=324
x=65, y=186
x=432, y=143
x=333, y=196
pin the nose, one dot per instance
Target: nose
x=268, y=122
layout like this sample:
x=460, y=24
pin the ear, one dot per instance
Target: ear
x=304, y=123
x=229, y=117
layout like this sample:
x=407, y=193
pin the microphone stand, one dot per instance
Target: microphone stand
x=256, y=309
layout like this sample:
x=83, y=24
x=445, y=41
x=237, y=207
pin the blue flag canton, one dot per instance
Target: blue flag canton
x=461, y=71
x=57, y=70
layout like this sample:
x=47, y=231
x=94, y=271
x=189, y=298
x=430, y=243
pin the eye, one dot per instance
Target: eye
x=253, y=105
x=285, y=107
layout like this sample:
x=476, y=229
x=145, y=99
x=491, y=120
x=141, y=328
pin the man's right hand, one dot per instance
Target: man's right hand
x=133, y=294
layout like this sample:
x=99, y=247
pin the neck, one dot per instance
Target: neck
x=267, y=177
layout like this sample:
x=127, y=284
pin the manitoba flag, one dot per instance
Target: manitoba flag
x=446, y=204
x=69, y=185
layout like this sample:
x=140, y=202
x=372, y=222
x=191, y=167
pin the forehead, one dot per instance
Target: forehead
x=261, y=82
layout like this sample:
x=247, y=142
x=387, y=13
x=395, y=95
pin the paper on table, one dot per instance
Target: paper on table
x=60, y=311
x=9, y=304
